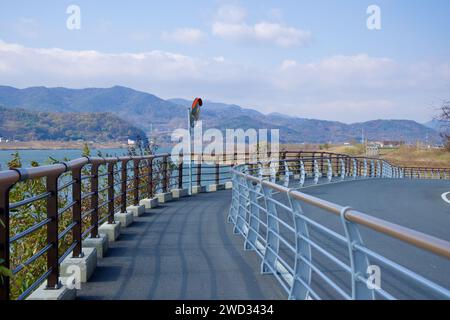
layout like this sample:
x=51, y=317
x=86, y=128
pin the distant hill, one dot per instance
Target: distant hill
x=20, y=124
x=137, y=107
x=438, y=125
x=295, y=129
x=148, y=111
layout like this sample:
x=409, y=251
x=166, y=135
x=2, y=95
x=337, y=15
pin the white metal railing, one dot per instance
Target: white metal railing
x=323, y=255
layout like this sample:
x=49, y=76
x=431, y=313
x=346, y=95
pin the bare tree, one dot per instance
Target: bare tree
x=444, y=117
x=445, y=111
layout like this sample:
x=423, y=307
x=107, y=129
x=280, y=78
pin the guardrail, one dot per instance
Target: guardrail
x=74, y=198
x=307, y=251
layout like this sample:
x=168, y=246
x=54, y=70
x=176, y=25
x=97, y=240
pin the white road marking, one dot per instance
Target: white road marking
x=444, y=197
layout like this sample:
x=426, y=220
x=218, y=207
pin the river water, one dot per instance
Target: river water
x=42, y=156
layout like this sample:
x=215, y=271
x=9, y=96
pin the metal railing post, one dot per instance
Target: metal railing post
x=111, y=192
x=337, y=165
x=273, y=171
x=372, y=169
x=302, y=270
x=302, y=174
x=281, y=168
x=150, y=178
x=329, y=170
x=94, y=200
x=321, y=162
x=342, y=169
x=381, y=169
x=242, y=206
x=199, y=171
x=217, y=174
x=123, y=185
x=232, y=214
x=316, y=171
x=287, y=174
x=180, y=171
x=76, y=212
x=136, y=163
x=4, y=238
x=359, y=261
x=165, y=175
x=253, y=229
x=271, y=251
x=348, y=166
x=52, y=232
x=365, y=169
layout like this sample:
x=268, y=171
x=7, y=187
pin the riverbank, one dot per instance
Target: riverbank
x=407, y=156
x=59, y=145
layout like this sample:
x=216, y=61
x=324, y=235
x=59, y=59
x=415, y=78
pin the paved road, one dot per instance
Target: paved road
x=182, y=250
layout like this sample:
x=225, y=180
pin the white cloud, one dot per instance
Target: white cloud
x=339, y=71
x=230, y=24
x=345, y=88
x=184, y=36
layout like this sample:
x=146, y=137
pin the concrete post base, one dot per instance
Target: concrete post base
x=80, y=267
x=198, y=189
x=164, y=197
x=149, y=203
x=137, y=211
x=62, y=293
x=228, y=185
x=100, y=244
x=179, y=193
x=111, y=230
x=125, y=219
x=215, y=187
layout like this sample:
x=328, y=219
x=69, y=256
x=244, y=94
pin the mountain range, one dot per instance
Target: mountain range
x=24, y=125
x=149, y=112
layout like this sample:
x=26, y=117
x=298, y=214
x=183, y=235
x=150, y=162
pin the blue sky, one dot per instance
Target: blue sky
x=312, y=59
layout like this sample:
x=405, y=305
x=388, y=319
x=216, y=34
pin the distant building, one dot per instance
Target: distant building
x=393, y=143
x=379, y=144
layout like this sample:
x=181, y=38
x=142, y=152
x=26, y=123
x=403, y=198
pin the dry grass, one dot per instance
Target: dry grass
x=417, y=157
x=407, y=156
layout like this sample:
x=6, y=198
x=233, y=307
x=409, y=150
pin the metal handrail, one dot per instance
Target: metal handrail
x=253, y=191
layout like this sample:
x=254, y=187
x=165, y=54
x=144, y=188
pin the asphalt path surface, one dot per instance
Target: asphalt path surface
x=182, y=250
x=416, y=204
x=186, y=250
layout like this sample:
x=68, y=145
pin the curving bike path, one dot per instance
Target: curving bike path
x=182, y=250
x=186, y=250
